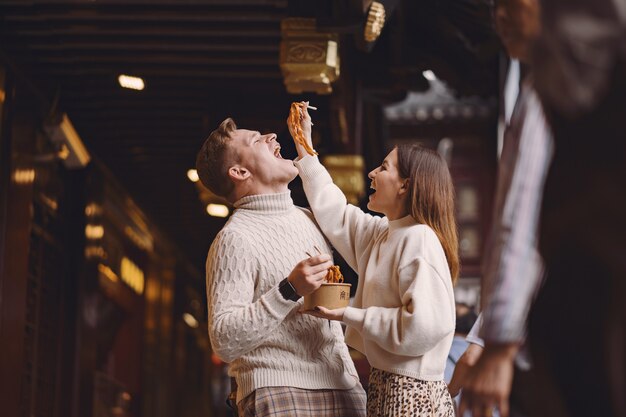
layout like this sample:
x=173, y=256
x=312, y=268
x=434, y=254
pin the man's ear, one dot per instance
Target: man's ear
x=238, y=173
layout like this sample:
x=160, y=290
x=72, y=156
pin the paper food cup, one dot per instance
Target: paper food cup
x=331, y=296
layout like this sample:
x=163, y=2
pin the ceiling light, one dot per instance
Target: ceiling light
x=192, y=174
x=190, y=320
x=429, y=75
x=134, y=83
x=92, y=209
x=217, y=210
x=95, y=252
x=132, y=275
x=94, y=231
x=24, y=176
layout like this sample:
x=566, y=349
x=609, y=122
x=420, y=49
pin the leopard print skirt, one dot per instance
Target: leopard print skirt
x=393, y=395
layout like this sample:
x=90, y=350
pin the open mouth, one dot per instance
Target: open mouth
x=277, y=153
x=372, y=190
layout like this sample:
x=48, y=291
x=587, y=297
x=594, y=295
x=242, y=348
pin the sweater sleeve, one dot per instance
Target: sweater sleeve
x=348, y=228
x=238, y=323
x=422, y=321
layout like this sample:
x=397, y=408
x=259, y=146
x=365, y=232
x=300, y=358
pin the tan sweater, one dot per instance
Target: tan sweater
x=403, y=316
x=250, y=324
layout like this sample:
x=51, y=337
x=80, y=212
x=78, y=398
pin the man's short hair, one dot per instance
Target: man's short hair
x=214, y=159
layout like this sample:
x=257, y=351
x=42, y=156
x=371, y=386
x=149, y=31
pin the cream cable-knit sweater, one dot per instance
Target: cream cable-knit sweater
x=250, y=324
x=403, y=315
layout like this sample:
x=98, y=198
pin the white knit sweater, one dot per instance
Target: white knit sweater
x=250, y=324
x=403, y=315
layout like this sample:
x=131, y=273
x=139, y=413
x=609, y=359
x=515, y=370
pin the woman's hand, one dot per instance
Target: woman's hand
x=299, y=124
x=324, y=313
x=305, y=119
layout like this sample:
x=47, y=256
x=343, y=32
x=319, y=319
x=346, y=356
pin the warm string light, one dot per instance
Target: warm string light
x=217, y=210
x=192, y=174
x=190, y=320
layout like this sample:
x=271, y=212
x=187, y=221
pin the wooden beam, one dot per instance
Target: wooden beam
x=170, y=86
x=181, y=59
x=124, y=119
x=106, y=113
x=129, y=45
x=88, y=16
x=189, y=31
x=161, y=72
x=105, y=92
x=152, y=3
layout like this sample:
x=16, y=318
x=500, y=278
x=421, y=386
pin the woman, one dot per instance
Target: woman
x=403, y=314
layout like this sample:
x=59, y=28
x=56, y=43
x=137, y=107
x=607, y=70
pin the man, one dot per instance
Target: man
x=258, y=270
x=512, y=269
x=580, y=63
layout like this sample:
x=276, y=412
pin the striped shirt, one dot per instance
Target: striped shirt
x=512, y=265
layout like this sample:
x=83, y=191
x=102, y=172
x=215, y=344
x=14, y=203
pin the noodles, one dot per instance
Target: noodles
x=334, y=275
x=295, y=116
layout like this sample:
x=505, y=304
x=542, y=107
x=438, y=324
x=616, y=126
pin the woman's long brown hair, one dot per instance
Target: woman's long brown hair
x=431, y=197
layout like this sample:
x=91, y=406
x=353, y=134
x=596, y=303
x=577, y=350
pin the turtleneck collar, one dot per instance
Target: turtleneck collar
x=405, y=221
x=266, y=203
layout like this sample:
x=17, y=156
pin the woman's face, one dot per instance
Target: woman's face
x=390, y=190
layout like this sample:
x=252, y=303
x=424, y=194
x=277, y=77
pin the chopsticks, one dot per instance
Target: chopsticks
x=319, y=251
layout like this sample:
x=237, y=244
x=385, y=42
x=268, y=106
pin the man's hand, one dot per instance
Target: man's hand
x=462, y=368
x=324, y=313
x=488, y=382
x=308, y=275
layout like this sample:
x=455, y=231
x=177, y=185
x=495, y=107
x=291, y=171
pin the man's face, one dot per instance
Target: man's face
x=260, y=155
x=518, y=25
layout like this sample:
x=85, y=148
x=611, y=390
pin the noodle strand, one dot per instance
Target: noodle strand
x=295, y=118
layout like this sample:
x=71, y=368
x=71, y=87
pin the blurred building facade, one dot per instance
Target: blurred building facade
x=100, y=313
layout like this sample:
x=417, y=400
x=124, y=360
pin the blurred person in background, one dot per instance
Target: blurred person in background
x=498, y=377
x=580, y=69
